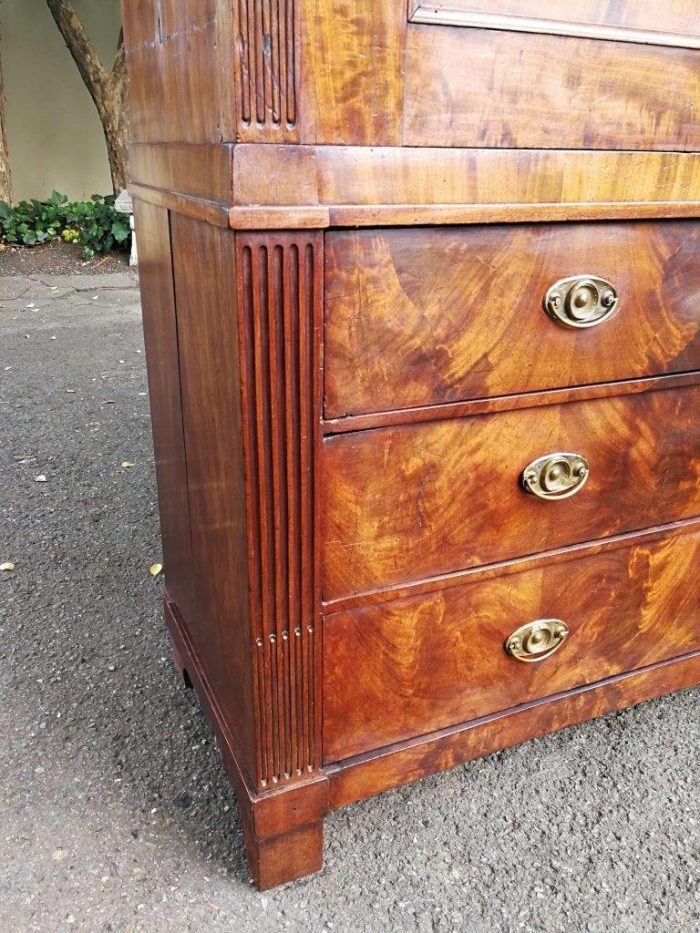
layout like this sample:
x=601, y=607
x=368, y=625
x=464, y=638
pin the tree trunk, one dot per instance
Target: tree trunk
x=5, y=177
x=107, y=89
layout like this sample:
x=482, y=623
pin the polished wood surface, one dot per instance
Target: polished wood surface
x=504, y=568
x=179, y=56
x=676, y=23
x=326, y=72
x=279, y=299
x=483, y=406
x=165, y=391
x=317, y=186
x=425, y=317
x=414, y=501
x=356, y=176
x=210, y=380
x=421, y=664
x=368, y=200
x=423, y=755
x=282, y=828
x=508, y=90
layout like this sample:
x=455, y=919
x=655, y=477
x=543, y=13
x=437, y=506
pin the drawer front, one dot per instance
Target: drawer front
x=564, y=83
x=414, y=501
x=423, y=317
x=412, y=666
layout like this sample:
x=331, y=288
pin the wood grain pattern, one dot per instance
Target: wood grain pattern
x=269, y=116
x=282, y=829
x=162, y=355
x=423, y=317
x=219, y=623
x=178, y=55
x=415, y=758
x=426, y=663
x=357, y=176
x=504, y=568
x=283, y=186
x=410, y=502
x=352, y=54
x=676, y=24
x=542, y=92
x=199, y=170
x=279, y=294
x=330, y=72
x=209, y=212
x=485, y=406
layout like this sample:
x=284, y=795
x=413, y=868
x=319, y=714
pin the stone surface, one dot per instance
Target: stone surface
x=115, y=813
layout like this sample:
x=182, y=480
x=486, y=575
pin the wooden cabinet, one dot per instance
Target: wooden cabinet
x=421, y=291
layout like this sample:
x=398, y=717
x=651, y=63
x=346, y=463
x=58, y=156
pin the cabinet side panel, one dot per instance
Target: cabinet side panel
x=179, y=62
x=219, y=628
x=280, y=305
x=160, y=335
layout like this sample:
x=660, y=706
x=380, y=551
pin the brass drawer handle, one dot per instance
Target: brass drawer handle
x=581, y=301
x=537, y=640
x=555, y=476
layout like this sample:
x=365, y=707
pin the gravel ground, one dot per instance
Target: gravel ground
x=114, y=810
x=58, y=258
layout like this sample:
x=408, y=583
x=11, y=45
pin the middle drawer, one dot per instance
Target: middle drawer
x=414, y=501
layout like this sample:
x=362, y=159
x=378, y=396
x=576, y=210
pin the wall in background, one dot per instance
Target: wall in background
x=53, y=131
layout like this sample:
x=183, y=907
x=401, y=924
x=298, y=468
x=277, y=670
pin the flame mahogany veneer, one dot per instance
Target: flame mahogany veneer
x=349, y=215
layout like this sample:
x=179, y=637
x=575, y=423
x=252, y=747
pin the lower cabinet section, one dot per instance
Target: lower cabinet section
x=411, y=666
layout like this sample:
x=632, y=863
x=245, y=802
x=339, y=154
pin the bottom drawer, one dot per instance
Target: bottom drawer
x=403, y=668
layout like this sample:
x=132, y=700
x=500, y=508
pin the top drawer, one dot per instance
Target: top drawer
x=420, y=317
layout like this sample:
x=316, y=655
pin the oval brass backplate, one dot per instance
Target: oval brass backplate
x=581, y=301
x=537, y=640
x=555, y=476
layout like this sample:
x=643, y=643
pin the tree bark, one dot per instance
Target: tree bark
x=108, y=89
x=5, y=176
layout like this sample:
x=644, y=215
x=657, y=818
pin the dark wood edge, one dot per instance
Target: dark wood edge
x=504, y=568
x=442, y=13
x=412, y=215
x=322, y=217
x=210, y=212
x=356, y=778
x=348, y=186
x=270, y=814
x=487, y=406
x=408, y=215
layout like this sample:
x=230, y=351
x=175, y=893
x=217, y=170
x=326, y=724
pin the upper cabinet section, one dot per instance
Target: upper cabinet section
x=675, y=22
x=544, y=74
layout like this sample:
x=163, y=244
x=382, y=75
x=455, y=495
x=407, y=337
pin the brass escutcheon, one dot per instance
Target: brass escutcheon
x=581, y=301
x=555, y=476
x=537, y=640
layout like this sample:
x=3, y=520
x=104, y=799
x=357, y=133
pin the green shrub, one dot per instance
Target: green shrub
x=93, y=224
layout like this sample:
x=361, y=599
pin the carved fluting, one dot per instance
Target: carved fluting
x=266, y=63
x=279, y=295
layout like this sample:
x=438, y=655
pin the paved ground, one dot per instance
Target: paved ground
x=114, y=811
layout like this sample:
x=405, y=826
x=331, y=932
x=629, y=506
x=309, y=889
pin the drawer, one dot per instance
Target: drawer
x=564, y=74
x=414, y=501
x=428, y=316
x=412, y=666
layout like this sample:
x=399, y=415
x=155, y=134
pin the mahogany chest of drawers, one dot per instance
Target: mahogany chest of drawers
x=421, y=291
